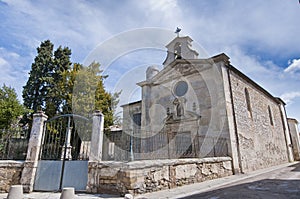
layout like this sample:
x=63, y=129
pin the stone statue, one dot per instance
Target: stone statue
x=179, y=107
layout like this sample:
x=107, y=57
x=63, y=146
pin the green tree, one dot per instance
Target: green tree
x=114, y=104
x=68, y=85
x=38, y=85
x=10, y=107
x=59, y=83
x=56, y=86
x=47, y=88
x=89, y=94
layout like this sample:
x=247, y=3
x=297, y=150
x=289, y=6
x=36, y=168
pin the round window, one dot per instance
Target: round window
x=181, y=88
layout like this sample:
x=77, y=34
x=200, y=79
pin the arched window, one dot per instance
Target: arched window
x=248, y=102
x=177, y=51
x=270, y=115
x=137, y=119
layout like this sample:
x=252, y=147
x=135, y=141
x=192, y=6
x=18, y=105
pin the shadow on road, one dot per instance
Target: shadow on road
x=264, y=189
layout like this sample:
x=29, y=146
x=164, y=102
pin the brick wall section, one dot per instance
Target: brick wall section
x=261, y=143
x=147, y=176
x=10, y=174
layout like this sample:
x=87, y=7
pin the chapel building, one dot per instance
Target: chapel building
x=196, y=108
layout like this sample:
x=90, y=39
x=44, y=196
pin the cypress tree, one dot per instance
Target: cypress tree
x=38, y=85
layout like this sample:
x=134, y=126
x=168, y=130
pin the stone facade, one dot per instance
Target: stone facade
x=147, y=176
x=293, y=126
x=184, y=99
x=258, y=129
x=210, y=100
x=259, y=123
x=132, y=112
x=10, y=174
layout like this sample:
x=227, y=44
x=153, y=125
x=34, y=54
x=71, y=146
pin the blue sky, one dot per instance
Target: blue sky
x=262, y=38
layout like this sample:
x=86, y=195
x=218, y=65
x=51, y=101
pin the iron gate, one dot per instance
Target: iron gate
x=64, y=153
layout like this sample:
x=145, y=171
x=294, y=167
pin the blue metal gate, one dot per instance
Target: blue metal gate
x=64, y=153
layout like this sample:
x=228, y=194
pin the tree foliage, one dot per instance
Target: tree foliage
x=38, y=85
x=89, y=93
x=46, y=88
x=56, y=100
x=56, y=86
x=10, y=107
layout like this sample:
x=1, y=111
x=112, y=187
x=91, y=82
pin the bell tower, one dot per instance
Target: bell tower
x=180, y=48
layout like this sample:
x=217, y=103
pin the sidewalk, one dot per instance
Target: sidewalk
x=178, y=192
x=49, y=195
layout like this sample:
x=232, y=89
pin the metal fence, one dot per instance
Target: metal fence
x=66, y=137
x=120, y=146
x=14, y=144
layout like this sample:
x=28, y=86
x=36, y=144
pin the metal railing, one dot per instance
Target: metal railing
x=14, y=144
x=66, y=137
x=120, y=146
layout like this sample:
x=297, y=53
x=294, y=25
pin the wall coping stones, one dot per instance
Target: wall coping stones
x=11, y=163
x=141, y=164
x=10, y=174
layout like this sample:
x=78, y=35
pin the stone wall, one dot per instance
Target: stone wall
x=293, y=126
x=259, y=125
x=10, y=174
x=147, y=176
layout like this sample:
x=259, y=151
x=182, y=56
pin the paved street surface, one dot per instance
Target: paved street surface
x=277, y=182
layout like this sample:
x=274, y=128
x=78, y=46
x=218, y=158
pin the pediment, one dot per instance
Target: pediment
x=178, y=69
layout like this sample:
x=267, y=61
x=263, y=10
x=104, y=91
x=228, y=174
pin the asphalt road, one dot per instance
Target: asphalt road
x=279, y=184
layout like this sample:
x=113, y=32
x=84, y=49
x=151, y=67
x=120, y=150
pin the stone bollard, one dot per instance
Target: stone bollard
x=15, y=192
x=67, y=193
x=128, y=196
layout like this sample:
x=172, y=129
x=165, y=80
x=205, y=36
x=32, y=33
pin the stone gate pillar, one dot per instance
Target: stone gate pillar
x=33, y=151
x=95, y=151
x=97, y=137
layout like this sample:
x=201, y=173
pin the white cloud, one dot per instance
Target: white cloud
x=164, y=6
x=290, y=96
x=265, y=73
x=168, y=9
x=270, y=76
x=7, y=76
x=252, y=33
x=79, y=25
x=254, y=24
x=12, y=72
x=167, y=13
x=3, y=63
x=294, y=66
x=245, y=62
